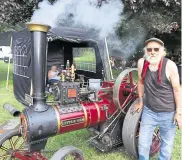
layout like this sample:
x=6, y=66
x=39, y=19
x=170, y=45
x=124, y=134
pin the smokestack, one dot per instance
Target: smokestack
x=39, y=41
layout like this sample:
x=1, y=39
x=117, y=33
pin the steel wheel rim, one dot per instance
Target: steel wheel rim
x=117, y=89
x=14, y=143
x=67, y=152
x=130, y=134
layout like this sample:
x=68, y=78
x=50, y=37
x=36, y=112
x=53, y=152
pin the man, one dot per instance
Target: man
x=53, y=75
x=158, y=78
x=112, y=62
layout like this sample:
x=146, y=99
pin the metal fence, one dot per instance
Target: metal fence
x=86, y=66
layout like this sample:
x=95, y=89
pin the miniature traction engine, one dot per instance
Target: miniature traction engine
x=104, y=112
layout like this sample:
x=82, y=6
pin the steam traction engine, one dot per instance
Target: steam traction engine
x=104, y=112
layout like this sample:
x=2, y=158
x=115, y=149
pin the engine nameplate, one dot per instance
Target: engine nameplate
x=69, y=122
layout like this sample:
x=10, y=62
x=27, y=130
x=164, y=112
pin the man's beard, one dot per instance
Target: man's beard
x=152, y=59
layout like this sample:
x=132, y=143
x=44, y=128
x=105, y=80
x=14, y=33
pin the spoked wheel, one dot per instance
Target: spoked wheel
x=12, y=144
x=10, y=139
x=124, y=90
x=68, y=153
x=130, y=134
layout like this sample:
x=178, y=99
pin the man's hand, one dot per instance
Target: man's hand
x=177, y=120
x=136, y=108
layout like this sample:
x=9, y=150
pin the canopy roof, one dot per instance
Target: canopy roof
x=21, y=49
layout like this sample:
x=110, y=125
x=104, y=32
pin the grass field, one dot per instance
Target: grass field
x=86, y=59
x=76, y=138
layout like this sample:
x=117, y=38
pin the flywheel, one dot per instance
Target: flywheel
x=124, y=90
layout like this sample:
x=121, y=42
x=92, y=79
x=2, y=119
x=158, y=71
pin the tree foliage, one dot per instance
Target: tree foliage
x=15, y=11
x=157, y=16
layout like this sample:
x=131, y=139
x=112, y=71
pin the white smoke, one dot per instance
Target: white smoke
x=80, y=13
x=129, y=42
x=87, y=14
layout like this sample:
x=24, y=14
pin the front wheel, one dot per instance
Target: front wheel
x=68, y=152
x=13, y=146
x=10, y=139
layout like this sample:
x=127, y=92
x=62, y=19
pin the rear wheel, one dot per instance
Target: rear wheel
x=130, y=134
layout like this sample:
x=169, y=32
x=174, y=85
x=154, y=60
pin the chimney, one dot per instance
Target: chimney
x=39, y=42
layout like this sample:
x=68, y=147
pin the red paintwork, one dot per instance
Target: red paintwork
x=29, y=156
x=108, y=97
x=128, y=81
x=94, y=112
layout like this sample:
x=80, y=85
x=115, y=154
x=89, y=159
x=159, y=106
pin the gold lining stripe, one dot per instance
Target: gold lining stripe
x=98, y=111
x=37, y=27
x=90, y=117
x=58, y=118
x=86, y=116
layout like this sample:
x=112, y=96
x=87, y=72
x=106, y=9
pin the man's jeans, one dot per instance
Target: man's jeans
x=167, y=128
x=52, y=81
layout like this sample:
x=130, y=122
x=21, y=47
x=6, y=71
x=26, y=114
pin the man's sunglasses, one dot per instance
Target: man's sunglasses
x=150, y=49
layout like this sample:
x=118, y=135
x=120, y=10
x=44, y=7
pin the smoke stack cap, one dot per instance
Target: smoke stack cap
x=38, y=27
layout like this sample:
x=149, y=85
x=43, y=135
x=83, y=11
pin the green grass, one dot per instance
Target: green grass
x=116, y=73
x=86, y=60
x=76, y=138
x=3, y=73
x=86, y=57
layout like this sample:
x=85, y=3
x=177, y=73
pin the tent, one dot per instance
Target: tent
x=61, y=42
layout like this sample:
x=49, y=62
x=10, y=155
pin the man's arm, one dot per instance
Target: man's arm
x=174, y=78
x=50, y=75
x=140, y=86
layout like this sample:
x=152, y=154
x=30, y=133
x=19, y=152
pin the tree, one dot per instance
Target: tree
x=15, y=11
x=157, y=16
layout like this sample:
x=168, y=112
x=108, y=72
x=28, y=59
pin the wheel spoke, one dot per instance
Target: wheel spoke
x=5, y=156
x=131, y=79
x=4, y=148
x=16, y=141
x=124, y=103
x=156, y=134
x=20, y=147
x=12, y=145
x=137, y=135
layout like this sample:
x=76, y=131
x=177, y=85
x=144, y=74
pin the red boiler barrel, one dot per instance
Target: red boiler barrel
x=80, y=116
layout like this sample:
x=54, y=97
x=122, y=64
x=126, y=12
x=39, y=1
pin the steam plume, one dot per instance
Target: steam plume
x=127, y=44
x=87, y=14
x=80, y=13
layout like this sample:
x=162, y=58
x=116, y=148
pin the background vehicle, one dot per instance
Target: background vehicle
x=5, y=52
x=8, y=57
x=1, y=54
